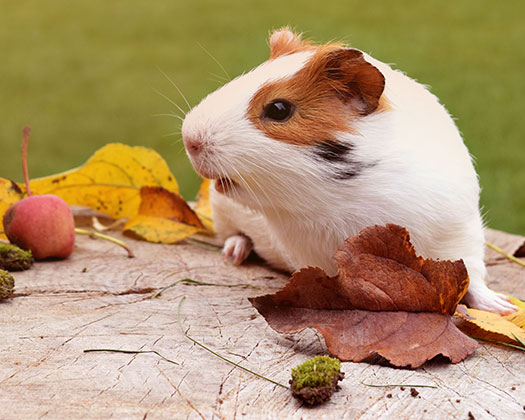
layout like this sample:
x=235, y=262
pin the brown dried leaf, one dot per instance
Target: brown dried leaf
x=384, y=300
x=160, y=202
x=380, y=271
x=163, y=217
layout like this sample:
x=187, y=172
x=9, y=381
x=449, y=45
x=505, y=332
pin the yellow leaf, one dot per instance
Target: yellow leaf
x=203, y=205
x=110, y=180
x=163, y=217
x=518, y=317
x=488, y=326
x=10, y=193
x=159, y=230
x=519, y=303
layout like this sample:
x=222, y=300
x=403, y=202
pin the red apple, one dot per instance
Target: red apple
x=43, y=224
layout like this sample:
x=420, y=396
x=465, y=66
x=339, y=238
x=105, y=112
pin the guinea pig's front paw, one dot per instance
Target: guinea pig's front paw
x=237, y=248
x=488, y=300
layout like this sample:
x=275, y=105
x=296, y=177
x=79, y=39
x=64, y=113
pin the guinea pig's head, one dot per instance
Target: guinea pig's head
x=269, y=136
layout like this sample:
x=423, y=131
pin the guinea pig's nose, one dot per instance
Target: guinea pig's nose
x=193, y=144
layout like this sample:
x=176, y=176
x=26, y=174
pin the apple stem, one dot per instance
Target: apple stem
x=92, y=234
x=25, y=141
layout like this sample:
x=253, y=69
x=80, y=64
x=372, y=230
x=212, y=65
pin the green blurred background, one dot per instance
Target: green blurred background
x=85, y=73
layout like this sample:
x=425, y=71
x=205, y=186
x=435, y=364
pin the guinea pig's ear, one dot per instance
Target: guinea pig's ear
x=355, y=79
x=283, y=41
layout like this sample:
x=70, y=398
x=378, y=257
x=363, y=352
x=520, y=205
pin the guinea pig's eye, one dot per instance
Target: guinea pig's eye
x=278, y=110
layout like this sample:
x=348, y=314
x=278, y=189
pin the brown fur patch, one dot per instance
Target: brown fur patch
x=284, y=42
x=356, y=79
x=332, y=90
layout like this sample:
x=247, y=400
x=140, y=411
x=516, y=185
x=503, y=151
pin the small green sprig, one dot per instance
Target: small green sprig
x=99, y=235
x=132, y=352
x=514, y=346
x=192, y=340
x=506, y=255
x=217, y=354
x=200, y=283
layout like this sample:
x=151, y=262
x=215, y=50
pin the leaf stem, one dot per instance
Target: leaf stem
x=133, y=352
x=218, y=355
x=25, y=140
x=519, y=340
x=99, y=235
x=510, y=257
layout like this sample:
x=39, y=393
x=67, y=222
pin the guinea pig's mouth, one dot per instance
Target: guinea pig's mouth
x=224, y=185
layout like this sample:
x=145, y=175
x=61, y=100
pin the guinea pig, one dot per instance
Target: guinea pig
x=321, y=141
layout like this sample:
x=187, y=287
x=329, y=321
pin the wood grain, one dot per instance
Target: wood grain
x=98, y=298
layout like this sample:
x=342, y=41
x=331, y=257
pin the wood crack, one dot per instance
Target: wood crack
x=91, y=293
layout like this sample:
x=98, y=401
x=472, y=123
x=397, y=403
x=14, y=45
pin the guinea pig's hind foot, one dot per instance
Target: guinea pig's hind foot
x=487, y=300
x=237, y=248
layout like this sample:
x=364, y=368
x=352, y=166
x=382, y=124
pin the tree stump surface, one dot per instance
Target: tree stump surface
x=98, y=298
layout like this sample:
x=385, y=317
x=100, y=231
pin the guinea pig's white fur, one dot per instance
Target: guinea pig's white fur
x=403, y=163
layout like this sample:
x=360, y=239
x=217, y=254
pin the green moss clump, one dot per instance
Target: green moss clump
x=7, y=285
x=315, y=380
x=13, y=258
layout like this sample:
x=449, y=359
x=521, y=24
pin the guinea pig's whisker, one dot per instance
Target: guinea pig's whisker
x=270, y=200
x=169, y=115
x=218, y=81
x=258, y=166
x=227, y=179
x=240, y=178
x=216, y=61
x=251, y=189
x=218, y=78
x=178, y=89
x=269, y=176
x=171, y=102
x=255, y=197
x=248, y=188
x=175, y=133
x=220, y=169
x=270, y=179
x=198, y=168
x=232, y=185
